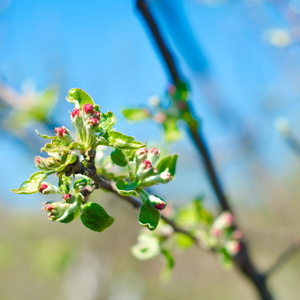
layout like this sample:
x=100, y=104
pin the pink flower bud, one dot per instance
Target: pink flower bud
x=38, y=160
x=67, y=197
x=75, y=113
x=227, y=219
x=237, y=234
x=172, y=89
x=166, y=176
x=48, y=207
x=88, y=108
x=93, y=121
x=216, y=232
x=97, y=115
x=233, y=247
x=159, y=117
x=141, y=154
x=146, y=164
x=43, y=187
x=160, y=206
x=60, y=131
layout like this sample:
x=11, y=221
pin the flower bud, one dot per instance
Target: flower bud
x=97, y=115
x=40, y=163
x=216, y=232
x=88, y=109
x=75, y=113
x=238, y=235
x=225, y=220
x=48, y=188
x=159, y=117
x=153, y=155
x=172, y=89
x=157, y=202
x=93, y=121
x=163, y=177
x=233, y=247
x=68, y=198
x=64, y=134
x=144, y=169
x=141, y=154
x=56, y=209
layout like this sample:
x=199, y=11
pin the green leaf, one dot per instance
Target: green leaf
x=81, y=183
x=124, y=142
x=183, y=240
x=32, y=185
x=226, y=258
x=55, y=146
x=44, y=136
x=149, y=216
x=167, y=162
x=147, y=247
x=136, y=114
x=107, y=121
x=171, y=131
x=64, y=183
x=126, y=189
x=71, y=158
x=119, y=158
x=79, y=98
x=166, y=272
x=95, y=217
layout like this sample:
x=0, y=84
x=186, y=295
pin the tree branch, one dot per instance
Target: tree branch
x=242, y=261
x=286, y=255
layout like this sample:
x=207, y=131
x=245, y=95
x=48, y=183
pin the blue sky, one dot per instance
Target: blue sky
x=104, y=48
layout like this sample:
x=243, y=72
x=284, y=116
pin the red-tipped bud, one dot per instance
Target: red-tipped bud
x=216, y=232
x=48, y=207
x=97, y=115
x=141, y=154
x=43, y=187
x=237, y=234
x=38, y=160
x=75, y=113
x=172, y=89
x=61, y=131
x=227, y=219
x=67, y=197
x=146, y=165
x=93, y=121
x=153, y=156
x=159, y=117
x=88, y=108
x=233, y=247
x=157, y=202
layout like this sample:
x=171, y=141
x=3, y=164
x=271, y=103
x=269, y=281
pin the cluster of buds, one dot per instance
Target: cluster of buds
x=56, y=209
x=48, y=163
x=223, y=226
x=146, y=173
x=85, y=122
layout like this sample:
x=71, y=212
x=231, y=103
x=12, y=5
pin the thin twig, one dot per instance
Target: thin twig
x=284, y=257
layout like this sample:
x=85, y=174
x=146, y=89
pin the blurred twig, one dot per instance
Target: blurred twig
x=242, y=260
x=284, y=257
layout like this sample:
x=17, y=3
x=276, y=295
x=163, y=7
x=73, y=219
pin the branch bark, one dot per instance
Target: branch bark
x=242, y=261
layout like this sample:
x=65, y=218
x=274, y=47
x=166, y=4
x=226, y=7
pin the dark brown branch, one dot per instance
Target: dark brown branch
x=284, y=257
x=242, y=261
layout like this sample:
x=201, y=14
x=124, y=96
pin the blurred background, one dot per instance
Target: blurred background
x=242, y=62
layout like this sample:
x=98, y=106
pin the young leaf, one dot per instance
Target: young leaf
x=166, y=272
x=147, y=247
x=79, y=98
x=149, y=216
x=32, y=185
x=167, y=162
x=124, y=142
x=44, y=136
x=136, y=114
x=107, y=121
x=119, y=158
x=171, y=131
x=126, y=189
x=95, y=217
